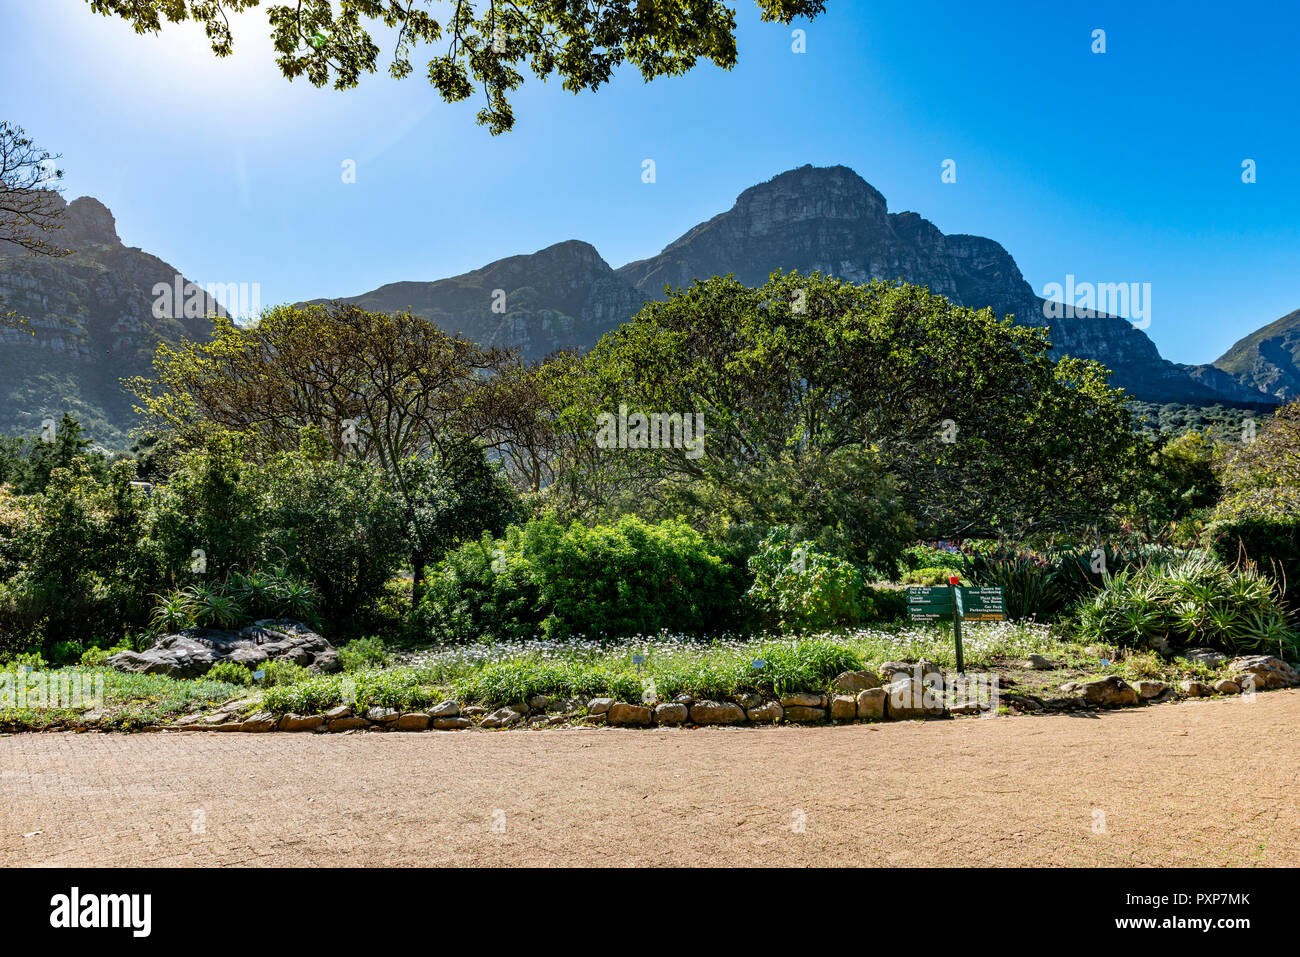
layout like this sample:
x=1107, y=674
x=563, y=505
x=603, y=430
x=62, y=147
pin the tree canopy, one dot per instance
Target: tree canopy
x=487, y=45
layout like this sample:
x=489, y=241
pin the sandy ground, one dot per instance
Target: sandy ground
x=1198, y=783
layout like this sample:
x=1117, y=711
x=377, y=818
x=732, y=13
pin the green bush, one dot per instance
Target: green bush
x=1271, y=542
x=929, y=576
x=887, y=604
x=231, y=672
x=362, y=654
x=1196, y=602
x=338, y=524
x=562, y=582
x=797, y=586
x=278, y=673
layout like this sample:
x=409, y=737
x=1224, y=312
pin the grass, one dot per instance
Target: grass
x=130, y=701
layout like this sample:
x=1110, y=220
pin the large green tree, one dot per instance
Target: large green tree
x=844, y=406
x=482, y=45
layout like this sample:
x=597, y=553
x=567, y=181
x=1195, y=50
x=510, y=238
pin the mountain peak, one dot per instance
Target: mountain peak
x=811, y=192
x=87, y=220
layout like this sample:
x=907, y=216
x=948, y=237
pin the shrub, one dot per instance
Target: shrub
x=1271, y=542
x=270, y=593
x=277, y=673
x=887, y=604
x=1195, y=602
x=231, y=672
x=929, y=576
x=338, y=526
x=797, y=586
x=613, y=580
x=362, y=654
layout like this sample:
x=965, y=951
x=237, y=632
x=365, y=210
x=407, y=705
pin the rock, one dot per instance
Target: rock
x=671, y=713
x=717, y=712
x=447, y=709
x=188, y=719
x=684, y=699
x=750, y=700
x=893, y=670
x=1204, y=656
x=804, y=715
x=803, y=699
x=909, y=699
x=301, y=722
x=452, y=724
x=599, y=705
x=621, y=712
x=1227, y=686
x=1150, y=690
x=348, y=724
x=383, y=715
x=502, y=718
x=1039, y=663
x=570, y=704
x=193, y=652
x=1111, y=692
x=334, y=714
x=769, y=712
x=261, y=721
x=412, y=721
x=1069, y=686
x=852, y=682
x=540, y=702
x=473, y=711
x=871, y=704
x=844, y=707
x=1267, y=672
x=1196, y=689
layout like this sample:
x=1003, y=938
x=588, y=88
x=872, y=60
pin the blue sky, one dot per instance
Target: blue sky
x=1115, y=167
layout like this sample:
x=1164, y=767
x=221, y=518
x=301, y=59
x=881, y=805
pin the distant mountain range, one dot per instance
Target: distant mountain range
x=92, y=316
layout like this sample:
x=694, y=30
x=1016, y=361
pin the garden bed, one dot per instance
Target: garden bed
x=865, y=674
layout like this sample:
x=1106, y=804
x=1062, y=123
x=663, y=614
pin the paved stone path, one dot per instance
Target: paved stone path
x=1199, y=783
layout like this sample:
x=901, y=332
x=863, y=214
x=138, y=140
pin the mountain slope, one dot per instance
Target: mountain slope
x=1268, y=359
x=90, y=323
x=831, y=220
x=562, y=296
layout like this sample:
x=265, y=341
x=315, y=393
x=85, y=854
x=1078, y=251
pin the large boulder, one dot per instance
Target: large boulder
x=1266, y=672
x=193, y=652
x=1110, y=692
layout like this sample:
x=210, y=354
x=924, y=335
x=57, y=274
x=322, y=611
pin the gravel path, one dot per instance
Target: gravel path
x=1199, y=783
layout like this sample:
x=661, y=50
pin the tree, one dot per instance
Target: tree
x=583, y=43
x=809, y=386
x=58, y=451
x=1262, y=477
x=449, y=498
x=30, y=207
x=336, y=524
x=394, y=390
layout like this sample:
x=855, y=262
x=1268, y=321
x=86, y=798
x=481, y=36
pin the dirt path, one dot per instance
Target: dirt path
x=1200, y=783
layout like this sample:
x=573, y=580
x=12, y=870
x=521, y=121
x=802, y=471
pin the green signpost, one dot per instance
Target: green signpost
x=935, y=602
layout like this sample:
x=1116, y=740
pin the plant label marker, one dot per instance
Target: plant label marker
x=259, y=675
x=956, y=621
x=638, y=660
x=759, y=664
